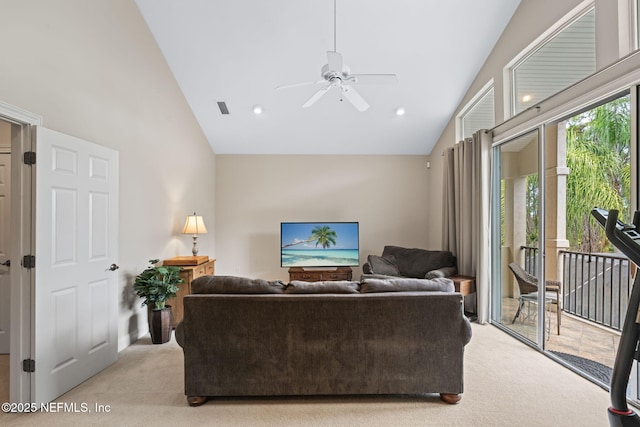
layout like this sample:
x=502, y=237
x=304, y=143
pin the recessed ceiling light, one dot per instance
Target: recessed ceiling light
x=400, y=111
x=257, y=109
x=527, y=98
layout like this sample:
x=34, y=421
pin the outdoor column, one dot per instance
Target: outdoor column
x=556, y=172
x=515, y=219
x=507, y=252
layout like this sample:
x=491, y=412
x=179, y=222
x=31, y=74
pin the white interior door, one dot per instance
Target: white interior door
x=76, y=209
x=5, y=245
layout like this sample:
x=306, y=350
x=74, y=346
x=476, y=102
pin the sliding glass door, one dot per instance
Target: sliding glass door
x=515, y=226
x=557, y=282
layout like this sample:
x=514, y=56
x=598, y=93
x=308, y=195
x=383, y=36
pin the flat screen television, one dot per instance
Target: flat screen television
x=319, y=244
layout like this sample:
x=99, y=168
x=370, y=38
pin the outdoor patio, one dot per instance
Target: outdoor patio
x=578, y=337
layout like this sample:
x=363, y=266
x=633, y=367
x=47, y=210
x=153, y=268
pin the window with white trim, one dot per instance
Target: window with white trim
x=567, y=56
x=478, y=114
x=634, y=11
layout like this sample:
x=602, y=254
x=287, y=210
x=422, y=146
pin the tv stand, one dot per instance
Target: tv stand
x=319, y=275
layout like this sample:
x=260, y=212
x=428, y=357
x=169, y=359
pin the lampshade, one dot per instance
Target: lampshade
x=194, y=225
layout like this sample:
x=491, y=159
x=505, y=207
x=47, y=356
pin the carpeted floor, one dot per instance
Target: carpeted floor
x=506, y=384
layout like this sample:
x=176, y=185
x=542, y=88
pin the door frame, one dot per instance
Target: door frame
x=5, y=276
x=22, y=243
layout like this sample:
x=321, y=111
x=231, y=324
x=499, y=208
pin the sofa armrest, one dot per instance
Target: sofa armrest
x=366, y=268
x=180, y=334
x=441, y=272
x=466, y=329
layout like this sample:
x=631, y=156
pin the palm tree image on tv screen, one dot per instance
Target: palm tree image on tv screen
x=312, y=244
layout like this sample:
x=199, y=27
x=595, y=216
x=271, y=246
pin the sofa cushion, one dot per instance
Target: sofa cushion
x=370, y=285
x=417, y=263
x=235, y=285
x=383, y=265
x=328, y=287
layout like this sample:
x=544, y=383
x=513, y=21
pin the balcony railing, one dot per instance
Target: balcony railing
x=530, y=259
x=595, y=286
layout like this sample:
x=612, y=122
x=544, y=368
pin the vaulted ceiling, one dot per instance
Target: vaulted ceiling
x=238, y=52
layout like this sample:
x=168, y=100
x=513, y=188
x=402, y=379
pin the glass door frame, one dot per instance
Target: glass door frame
x=541, y=273
x=604, y=85
x=633, y=91
x=496, y=263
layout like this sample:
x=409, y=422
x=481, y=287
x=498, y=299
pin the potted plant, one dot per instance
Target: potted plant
x=156, y=284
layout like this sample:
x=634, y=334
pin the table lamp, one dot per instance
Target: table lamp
x=194, y=225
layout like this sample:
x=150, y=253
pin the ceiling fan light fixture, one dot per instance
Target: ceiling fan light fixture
x=335, y=74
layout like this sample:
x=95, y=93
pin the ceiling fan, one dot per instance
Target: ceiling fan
x=335, y=74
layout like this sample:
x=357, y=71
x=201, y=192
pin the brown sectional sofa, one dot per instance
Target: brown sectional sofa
x=251, y=337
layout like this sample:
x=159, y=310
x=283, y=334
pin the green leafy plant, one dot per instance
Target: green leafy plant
x=156, y=284
x=599, y=158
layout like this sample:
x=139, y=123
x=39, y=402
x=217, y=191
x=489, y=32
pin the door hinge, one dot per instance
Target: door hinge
x=29, y=365
x=29, y=157
x=29, y=261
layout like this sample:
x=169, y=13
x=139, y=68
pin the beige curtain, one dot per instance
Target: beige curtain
x=466, y=212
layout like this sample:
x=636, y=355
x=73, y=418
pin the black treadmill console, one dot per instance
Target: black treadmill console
x=625, y=237
x=602, y=214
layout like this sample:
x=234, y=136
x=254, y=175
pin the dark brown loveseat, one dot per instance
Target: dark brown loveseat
x=397, y=261
x=244, y=337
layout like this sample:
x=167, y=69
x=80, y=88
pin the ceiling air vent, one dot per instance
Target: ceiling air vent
x=223, y=108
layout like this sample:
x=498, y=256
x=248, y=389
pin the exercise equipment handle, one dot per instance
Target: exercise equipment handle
x=620, y=236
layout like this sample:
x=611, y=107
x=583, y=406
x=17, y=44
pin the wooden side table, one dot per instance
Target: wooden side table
x=466, y=285
x=188, y=274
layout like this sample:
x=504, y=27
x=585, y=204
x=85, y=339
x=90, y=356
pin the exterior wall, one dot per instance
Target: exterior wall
x=387, y=195
x=92, y=69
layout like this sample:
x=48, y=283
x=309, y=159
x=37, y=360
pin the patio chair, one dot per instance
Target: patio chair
x=528, y=285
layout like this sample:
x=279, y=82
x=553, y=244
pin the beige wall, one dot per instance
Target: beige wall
x=532, y=19
x=387, y=195
x=92, y=69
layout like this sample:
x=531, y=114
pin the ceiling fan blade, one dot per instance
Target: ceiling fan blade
x=301, y=84
x=355, y=98
x=316, y=96
x=334, y=59
x=373, y=79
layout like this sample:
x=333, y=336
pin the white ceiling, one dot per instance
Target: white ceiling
x=238, y=51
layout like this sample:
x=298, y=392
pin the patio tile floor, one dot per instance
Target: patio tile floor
x=577, y=336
